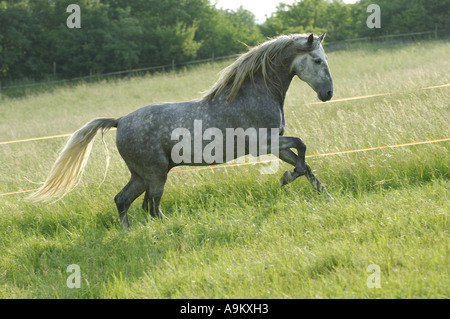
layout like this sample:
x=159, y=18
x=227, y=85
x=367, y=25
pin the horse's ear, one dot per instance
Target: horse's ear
x=322, y=37
x=310, y=39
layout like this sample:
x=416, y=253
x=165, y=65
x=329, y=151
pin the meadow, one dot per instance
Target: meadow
x=232, y=231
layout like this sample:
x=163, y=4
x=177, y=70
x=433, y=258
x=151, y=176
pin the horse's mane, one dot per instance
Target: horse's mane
x=259, y=57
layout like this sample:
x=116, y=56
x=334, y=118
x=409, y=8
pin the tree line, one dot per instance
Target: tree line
x=121, y=34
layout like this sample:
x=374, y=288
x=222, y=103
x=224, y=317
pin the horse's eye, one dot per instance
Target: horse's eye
x=317, y=61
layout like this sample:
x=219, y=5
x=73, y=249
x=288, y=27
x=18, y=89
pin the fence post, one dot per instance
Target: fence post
x=435, y=30
x=54, y=70
x=173, y=64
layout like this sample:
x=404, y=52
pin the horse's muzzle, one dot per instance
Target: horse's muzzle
x=325, y=96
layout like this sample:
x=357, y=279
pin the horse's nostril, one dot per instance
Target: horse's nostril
x=330, y=94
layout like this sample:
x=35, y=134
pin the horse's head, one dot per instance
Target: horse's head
x=312, y=67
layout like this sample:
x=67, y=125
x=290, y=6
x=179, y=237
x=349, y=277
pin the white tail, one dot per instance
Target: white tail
x=69, y=166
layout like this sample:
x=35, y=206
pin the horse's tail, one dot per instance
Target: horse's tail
x=69, y=166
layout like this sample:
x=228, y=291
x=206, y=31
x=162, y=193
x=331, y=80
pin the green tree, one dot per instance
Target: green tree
x=19, y=54
x=120, y=34
x=317, y=16
x=168, y=28
x=405, y=16
x=226, y=32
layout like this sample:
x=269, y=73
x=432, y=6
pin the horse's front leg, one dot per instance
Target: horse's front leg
x=290, y=157
x=298, y=161
x=316, y=184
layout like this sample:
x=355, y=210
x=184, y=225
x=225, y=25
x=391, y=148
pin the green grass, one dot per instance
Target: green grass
x=233, y=232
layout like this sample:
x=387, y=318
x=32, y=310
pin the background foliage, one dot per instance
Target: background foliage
x=120, y=35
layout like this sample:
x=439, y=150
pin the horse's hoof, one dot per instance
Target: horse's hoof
x=287, y=178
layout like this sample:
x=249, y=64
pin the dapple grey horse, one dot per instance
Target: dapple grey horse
x=250, y=93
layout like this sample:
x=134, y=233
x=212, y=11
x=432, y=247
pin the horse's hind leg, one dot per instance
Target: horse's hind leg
x=155, y=191
x=145, y=202
x=153, y=203
x=135, y=187
x=155, y=181
x=155, y=211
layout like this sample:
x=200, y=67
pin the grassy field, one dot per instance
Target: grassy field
x=233, y=232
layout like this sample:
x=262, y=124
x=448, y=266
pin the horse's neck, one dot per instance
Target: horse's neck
x=276, y=83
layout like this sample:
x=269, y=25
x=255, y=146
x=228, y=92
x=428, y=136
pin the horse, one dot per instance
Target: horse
x=249, y=94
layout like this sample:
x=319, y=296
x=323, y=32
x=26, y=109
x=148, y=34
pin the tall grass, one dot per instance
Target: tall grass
x=234, y=233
